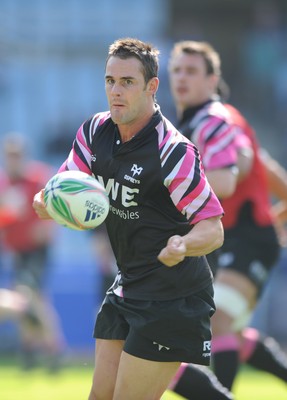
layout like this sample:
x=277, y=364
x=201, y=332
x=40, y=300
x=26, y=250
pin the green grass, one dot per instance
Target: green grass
x=73, y=383
x=253, y=385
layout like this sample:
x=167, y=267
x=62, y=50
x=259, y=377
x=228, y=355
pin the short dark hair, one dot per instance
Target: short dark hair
x=147, y=54
x=210, y=56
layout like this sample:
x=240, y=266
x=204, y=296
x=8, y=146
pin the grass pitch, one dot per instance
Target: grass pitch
x=73, y=383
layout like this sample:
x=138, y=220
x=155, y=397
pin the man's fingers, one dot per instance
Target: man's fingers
x=39, y=205
x=174, y=252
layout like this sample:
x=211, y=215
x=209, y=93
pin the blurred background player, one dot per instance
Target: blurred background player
x=256, y=349
x=27, y=239
x=232, y=162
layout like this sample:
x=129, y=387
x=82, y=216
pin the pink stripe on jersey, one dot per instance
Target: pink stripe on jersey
x=208, y=127
x=179, y=186
x=80, y=164
x=161, y=138
x=82, y=143
x=198, y=196
x=197, y=202
x=169, y=134
x=221, y=141
x=107, y=115
x=214, y=134
x=220, y=151
x=75, y=164
x=167, y=145
x=80, y=136
x=212, y=208
x=243, y=141
x=166, y=152
x=186, y=169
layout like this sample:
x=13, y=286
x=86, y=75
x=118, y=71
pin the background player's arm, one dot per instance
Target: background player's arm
x=280, y=211
x=277, y=183
x=223, y=181
x=244, y=162
x=276, y=176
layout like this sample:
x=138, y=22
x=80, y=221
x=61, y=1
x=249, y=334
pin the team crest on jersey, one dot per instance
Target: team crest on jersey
x=136, y=170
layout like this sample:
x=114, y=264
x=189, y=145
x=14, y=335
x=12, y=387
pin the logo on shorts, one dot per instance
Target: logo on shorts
x=206, y=348
x=160, y=346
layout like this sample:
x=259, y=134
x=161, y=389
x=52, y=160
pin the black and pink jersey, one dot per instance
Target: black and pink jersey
x=157, y=188
x=210, y=127
x=252, y=193
x=219, y=131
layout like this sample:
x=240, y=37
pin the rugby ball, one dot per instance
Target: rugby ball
x=76, y=200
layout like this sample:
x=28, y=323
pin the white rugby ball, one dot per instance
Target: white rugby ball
x=76, y=200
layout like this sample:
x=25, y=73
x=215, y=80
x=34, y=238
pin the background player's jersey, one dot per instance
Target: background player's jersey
x=252, y=192
x=23, y=231
x=219, y=131
x=157, y=189
x=210, y=128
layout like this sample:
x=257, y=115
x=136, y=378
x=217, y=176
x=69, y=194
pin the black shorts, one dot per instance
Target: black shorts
x=251, y=250
x=177, y=330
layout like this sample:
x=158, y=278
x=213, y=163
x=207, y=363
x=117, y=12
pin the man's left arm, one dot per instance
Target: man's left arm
x=205, y=236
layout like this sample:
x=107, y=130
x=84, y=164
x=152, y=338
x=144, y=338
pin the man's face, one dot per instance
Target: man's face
x=126, y=90
x=190, y=85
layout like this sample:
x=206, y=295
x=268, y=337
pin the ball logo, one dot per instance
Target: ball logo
x=94, y=211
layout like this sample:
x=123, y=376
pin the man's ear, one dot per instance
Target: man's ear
x=213, y=82
x=152, y=85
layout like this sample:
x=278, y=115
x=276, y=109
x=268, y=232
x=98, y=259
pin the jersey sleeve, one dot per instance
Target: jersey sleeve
x=186, y=181
x=216, y=140
x=80, y=156
x=242, y=141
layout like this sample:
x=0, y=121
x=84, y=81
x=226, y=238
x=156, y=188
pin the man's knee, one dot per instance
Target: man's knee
x=233, y=310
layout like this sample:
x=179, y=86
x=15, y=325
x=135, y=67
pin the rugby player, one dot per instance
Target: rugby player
x=235, y=169
x=164, y=218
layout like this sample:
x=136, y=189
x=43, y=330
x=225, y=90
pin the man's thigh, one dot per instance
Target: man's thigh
x=107, y=358
x=142, y=379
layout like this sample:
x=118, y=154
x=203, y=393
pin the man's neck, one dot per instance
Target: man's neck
x=190, y=111
x=128, y=131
